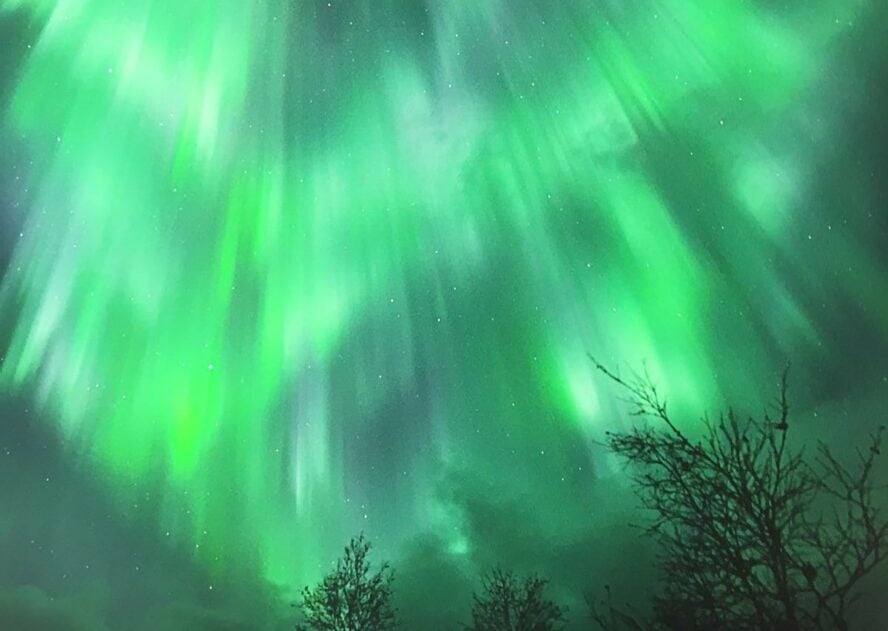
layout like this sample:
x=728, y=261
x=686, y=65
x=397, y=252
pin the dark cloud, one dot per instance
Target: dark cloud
x=29, y=608
x=578, y=547
x=433, y=587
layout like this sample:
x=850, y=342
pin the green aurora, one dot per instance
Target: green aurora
x=277, y=272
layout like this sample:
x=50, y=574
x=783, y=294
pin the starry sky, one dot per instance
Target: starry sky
x=276, y=272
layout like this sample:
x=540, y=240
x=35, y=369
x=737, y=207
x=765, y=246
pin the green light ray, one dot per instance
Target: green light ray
x=254, y=228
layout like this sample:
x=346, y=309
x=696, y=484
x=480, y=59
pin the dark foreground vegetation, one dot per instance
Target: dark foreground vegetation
x=753, y=532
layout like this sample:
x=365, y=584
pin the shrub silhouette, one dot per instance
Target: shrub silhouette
x=353, y=597
x=508, y=603
x=753, y=533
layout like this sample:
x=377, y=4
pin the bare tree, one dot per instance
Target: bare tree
x=614, y=618
x=508, y=603
x=753, y=534
x=353, y=597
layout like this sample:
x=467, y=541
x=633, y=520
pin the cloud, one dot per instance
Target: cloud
x=29, y=608
x=433, y=587
x=578, y=547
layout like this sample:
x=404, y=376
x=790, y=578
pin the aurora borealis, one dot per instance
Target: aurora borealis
x=277, y=272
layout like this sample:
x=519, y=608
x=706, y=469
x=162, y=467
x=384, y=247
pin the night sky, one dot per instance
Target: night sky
x=275, y=272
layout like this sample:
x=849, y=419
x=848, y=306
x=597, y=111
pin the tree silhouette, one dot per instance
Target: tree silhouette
x=507, y=603
x=753, y=534
x=353, y=597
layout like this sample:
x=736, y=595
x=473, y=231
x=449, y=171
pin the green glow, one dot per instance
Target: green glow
x=257, y=230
